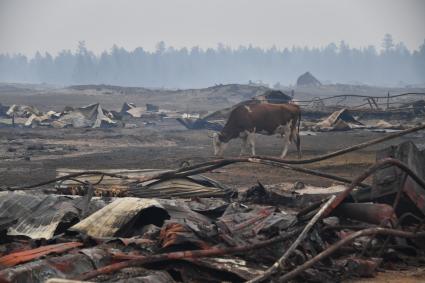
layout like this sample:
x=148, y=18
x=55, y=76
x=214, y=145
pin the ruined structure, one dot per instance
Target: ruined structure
x=307, y=79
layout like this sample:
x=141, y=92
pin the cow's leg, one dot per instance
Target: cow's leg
x=299, y=146
x=296, y=138
x=286, y=140
x=244, y=138
x=251, y=139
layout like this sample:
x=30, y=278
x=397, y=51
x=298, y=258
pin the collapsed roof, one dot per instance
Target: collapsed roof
x=42, y=120
x=90, y=116
x=130, y=109
x=338, y=121
x=127, y=106
x=23, y=111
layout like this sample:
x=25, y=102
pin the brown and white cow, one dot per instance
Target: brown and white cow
x=262, y=118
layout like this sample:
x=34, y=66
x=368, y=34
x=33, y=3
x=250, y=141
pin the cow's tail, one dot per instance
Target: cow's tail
x=298, y=141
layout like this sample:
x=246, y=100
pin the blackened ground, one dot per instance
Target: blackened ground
x=32, y=155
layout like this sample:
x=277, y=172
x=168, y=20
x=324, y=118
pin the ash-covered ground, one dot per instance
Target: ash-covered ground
x=33, y=155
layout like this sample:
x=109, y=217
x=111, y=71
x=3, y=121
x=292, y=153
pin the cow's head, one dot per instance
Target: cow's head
x=218, y=145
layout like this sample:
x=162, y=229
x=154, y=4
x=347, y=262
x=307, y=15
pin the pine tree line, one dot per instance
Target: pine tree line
x=184, y=68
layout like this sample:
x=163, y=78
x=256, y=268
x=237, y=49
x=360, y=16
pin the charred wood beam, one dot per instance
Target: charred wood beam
x=388, y=101
x=370, y=104
x=374, y=102
x=86, y=200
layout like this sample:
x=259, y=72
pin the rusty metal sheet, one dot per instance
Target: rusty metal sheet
x=66, y=266
x=28, y=255
x=239, y=227
x=174, y=234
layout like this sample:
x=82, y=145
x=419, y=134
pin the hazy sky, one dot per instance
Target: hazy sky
x=51, y=25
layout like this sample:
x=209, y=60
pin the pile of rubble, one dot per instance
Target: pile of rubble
x=90, y=116
x=179, y=226
x=343, y=120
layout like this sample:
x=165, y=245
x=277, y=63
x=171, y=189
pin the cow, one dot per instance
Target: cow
x=262, y=118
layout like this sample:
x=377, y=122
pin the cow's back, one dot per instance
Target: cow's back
x=267, y=117
x=262, y=118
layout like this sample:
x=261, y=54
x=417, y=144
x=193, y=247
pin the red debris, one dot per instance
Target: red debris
x=25, y=256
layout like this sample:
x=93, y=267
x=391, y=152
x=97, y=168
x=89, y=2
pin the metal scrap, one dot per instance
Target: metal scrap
x=231, y=239
x=28, y=255
x=37, y=216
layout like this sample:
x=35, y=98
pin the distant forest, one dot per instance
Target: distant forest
x=393, y=64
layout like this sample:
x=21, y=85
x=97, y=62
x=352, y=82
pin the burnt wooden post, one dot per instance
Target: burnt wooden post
x=374, y=102
x=388, y=100
x=370, y=103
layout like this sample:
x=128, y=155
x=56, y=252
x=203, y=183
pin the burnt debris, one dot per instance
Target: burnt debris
x=180, y=226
